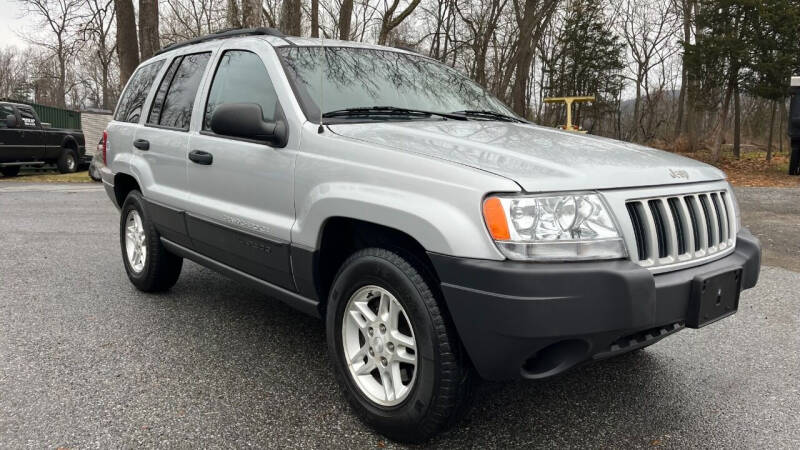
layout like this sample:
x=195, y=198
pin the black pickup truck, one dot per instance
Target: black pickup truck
x=24, y=141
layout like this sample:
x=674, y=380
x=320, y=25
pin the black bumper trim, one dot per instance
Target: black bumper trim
x=511, y=315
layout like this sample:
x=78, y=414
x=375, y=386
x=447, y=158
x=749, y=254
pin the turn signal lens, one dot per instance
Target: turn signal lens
x=495, y=217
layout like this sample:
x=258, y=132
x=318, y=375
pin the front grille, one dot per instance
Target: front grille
x=674, y=229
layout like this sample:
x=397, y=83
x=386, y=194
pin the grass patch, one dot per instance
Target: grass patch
x=752, y=169
x=48, y=176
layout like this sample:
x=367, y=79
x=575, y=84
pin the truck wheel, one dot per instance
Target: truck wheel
x=394, y=352
x=150, y=267
x=68, y=161
x=10, y=171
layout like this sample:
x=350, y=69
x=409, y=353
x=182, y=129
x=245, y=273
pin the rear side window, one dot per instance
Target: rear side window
x=175, y=98
x=241, y=78
x=130, y=105
x=5, y=110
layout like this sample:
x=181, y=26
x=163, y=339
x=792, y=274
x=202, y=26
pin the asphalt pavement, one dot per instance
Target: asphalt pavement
x=86, y=361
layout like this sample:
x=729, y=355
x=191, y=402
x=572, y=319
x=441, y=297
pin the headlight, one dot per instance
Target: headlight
x=567, y=227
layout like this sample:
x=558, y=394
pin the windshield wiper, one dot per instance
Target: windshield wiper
x=382, y=111
x=488, y=115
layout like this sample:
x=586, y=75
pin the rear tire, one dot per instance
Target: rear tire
x=68, y=161
x=437, y=391
x=94, y=173
x=155, y=269
x=10, y=171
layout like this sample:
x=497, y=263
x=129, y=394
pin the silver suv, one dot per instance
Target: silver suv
x=438, y=235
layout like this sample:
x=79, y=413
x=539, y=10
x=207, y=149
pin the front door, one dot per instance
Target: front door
x=241, y=203
x=31, y=138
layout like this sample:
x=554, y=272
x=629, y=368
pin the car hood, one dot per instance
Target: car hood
x=537, y=158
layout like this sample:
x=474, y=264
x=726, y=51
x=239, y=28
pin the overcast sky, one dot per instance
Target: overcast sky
x=11, y=21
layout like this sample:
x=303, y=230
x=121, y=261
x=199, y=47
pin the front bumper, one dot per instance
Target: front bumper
x=535, y=320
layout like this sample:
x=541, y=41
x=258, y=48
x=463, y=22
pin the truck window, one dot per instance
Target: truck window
x=130, y=105
x=241, y=78
x=176, y=111
x=5, y=110
x=28, y=117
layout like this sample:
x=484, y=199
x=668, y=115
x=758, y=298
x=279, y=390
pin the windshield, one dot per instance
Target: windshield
x=364, y=78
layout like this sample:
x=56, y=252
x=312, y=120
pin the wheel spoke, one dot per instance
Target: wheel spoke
x=359, y=356
x=388, y=384
x=363, y=308
x=394, y=314
x=404, y=357
x=403, y=340
x=383, y=306
x=367, y=368
x=397, y=379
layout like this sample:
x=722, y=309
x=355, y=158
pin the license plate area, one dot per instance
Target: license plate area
x=714, y=296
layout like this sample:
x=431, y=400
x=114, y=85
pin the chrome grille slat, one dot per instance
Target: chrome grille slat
x=680, y=228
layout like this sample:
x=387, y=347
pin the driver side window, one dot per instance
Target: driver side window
x=242, y=78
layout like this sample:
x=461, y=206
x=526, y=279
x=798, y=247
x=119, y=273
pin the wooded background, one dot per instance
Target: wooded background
x=678, y=74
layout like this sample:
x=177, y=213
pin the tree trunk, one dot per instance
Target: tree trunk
x=232, y=15
x=148, y=28
x=771, y=130
x=252, y=13
x=127, y=43
x=637, y=110
x=290, y=17
x=314, y=18
x=679, y=126
x=723, y=122
x=737, y=122
x=345, y=16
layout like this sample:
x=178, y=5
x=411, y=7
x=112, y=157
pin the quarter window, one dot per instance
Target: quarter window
x=130, y=105
x=242, y=78
x=176, y=110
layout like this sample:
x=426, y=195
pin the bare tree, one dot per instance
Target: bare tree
x=389, y=21
x=98, y=30
x=60, y=18
x=649, y=28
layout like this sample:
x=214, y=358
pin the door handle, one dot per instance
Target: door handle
x=201, y=157
x=142, y=144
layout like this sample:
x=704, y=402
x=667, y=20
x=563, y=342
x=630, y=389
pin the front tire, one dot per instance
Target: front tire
x=150, y=267
x=394, y=352
x=10, y=171
x=68, y=161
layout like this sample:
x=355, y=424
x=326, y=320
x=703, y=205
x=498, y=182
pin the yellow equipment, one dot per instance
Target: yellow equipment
x=569, y=101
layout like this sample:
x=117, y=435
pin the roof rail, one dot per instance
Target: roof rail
x=222, y=34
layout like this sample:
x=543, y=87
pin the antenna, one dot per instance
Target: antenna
x=321, y=128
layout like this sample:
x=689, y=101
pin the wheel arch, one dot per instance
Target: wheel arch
x=70, y=143
x=340, y=237
x=123, y=185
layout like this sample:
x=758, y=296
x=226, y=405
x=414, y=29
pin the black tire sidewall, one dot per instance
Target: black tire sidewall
x=63, y=167
x=374, y=270
x=10, y=171
x=134, y=201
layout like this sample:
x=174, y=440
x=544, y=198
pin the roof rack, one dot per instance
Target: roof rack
x=222, y=34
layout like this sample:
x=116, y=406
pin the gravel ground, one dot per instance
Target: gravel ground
x=773, y=214
x=87, y=361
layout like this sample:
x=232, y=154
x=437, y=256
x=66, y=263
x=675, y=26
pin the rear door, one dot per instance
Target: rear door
x=163, y=143
x=122, y=129
x=242, y=205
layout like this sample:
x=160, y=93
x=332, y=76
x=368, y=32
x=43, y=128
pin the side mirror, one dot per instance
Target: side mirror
x=245, y=120
x=11, y=121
